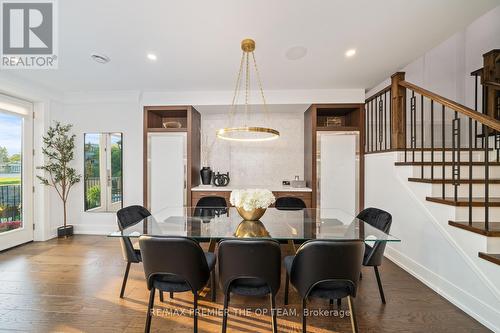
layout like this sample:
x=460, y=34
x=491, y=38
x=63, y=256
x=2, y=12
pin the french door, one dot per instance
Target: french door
x=16, y=172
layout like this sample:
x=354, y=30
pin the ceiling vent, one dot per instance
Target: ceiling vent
x=100, y=58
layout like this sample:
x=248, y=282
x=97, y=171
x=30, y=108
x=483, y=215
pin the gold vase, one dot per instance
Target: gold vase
x=251, y=229
x=252, y=215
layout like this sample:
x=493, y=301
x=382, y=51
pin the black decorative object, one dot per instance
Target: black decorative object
x=221, y=179
x=206, y=175
x=65, y=231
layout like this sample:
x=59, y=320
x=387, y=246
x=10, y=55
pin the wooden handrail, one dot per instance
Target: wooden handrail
x=482, y=118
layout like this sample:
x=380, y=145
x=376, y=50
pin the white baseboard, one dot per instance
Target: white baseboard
x=93, y=229
x=471, y=305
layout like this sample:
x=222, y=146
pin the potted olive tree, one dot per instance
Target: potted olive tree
x=58, y=149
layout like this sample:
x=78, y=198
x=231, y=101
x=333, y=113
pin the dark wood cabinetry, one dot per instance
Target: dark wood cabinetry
x=331, y=117
x=165, y=119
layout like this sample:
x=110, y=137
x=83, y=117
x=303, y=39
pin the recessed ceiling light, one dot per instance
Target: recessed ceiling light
x=152, y=56
x=349, y=53
x=100, y=58
x=296, y=53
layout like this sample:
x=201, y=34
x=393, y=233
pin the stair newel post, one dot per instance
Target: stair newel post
x=443, y=155
x=398, y=116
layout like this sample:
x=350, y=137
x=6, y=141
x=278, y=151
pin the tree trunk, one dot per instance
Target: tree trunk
x=64, y=212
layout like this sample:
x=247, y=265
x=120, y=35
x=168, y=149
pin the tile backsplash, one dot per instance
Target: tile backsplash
x=265, y=163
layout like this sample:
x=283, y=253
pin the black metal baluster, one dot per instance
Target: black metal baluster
x=470, y=171
x=455, y=164
x=422, y=135
x=486, y=135
x=385, y=120
x=371, y=125
x=444, y=151
x=376, y=124
x=475, y=108
x=390, y=120
x=413, y=128
x=432, y=139
x=380, y=123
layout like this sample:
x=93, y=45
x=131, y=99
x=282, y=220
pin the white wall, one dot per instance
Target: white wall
x=259, y=163
x=443, y=257
x=121, y=114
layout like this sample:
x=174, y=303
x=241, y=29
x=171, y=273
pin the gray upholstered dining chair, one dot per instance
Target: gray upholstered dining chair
x=325, y=269
x=176, y=264
x=126, y=217
x=373, y=256
x=249, y=267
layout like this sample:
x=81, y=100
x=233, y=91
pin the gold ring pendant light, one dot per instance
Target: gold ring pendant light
x=247, y=133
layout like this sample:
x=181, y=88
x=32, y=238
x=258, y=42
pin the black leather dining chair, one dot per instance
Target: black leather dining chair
x=289, y=203
x=249, y=267
x=176, y=264
x=373, y=256
x=212, y=201
x=325, y=269
x=126, y=217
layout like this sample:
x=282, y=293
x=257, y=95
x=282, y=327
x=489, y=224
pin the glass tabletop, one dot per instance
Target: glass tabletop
x=208, y=223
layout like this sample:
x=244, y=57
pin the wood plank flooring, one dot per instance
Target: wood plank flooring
x=72, y=285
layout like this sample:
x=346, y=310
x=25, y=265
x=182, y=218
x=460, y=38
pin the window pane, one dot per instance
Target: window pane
x=10, y=172
x=92, y=176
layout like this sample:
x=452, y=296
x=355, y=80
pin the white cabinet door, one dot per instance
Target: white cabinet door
x=167, y=170
x=338, y=171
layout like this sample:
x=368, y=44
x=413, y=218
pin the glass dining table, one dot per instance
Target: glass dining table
x=213, y=224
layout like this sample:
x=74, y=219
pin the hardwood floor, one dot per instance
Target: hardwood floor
x=72, y=285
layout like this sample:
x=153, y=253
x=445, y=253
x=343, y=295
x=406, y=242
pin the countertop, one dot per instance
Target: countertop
x=229, y=188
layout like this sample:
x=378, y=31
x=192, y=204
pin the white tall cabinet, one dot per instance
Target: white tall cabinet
x=167, y=163
x=338, y=170
x=334, y=155
x=171, y=156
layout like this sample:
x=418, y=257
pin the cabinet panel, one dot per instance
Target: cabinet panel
x=167, y=170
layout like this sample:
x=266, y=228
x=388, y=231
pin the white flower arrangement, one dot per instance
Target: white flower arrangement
x=252, y=199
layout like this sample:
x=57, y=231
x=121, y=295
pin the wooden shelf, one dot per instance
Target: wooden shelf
x=338, y=128
x=161, y=130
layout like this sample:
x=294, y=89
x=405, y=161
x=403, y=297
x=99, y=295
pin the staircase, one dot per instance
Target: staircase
x=452, y=148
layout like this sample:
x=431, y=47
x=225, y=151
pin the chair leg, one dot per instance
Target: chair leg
x=161, y=296
x=354, y=322
x=125, y=277
x=331, y=302
x=287, y=282
x=361, y=275
x=225, y=312
x=195, y=313
x=339, y=302
x=380, y=288
x=213, y=286
x=171, y=294
x=304, y=330
x=273, y=314
x=150, y=308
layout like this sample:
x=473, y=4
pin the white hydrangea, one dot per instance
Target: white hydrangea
x=252, y=198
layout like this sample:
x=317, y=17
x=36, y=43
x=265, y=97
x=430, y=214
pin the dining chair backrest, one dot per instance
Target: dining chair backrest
x=212, y=201
x=258, y=259
x=381, y=220
x=126, y=217
x=289, y=203
x=319, y=261
x=174, y=256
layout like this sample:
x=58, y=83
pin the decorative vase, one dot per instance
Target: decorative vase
x=252, y=215
x=65, y=231
x=206, y=175
x=251, y=229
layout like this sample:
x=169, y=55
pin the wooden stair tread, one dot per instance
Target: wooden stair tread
x=478, y=227
x=451, y=181
x=440, y=149
x=464, y=202
x=493, y=257
x=463, y=163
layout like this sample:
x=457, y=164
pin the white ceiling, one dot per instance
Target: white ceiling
x=198, y=42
